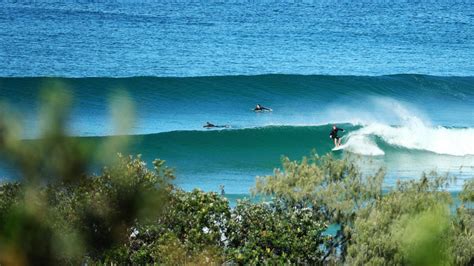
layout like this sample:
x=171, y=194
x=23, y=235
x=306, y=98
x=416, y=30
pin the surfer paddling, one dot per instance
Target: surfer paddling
x=260, y=108
x=209, y=125
x=333, y=135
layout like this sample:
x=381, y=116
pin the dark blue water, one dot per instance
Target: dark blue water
x=196, y=38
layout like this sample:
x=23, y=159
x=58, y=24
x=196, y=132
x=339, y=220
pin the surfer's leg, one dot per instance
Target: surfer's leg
x=335, y=142
x=339, y=142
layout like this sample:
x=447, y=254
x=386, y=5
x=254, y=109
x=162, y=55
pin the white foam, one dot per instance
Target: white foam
x=450, y=141
x=413, y=131
x=362, y=144
x=413, y=134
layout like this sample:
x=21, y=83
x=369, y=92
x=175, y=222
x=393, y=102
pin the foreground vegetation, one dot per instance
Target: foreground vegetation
x=130, y=214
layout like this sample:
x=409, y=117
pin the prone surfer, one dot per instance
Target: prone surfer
x=261, y=108
x=209, y=125
x=333, y=135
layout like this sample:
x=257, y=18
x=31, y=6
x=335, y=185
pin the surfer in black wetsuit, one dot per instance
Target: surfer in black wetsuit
x=210, y=125
x=333, y=135
x=261, y=108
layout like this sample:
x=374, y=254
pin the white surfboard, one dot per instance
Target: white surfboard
x=341, y=147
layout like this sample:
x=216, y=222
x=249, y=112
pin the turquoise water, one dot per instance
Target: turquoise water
x=405, y=123
x=208, y=159
x=234, y=157
x=397, y=76
x=168, y=104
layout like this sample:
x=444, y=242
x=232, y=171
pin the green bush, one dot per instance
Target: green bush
x=64, y=222
x=336, y=189
x=192, y=228
x=408, y=224
x=275, y=233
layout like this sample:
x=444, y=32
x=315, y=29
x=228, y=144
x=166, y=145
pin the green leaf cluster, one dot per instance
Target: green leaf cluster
x=275, y=233
x=410, y=224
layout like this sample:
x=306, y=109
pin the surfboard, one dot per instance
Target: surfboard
x=218, y=127
x=261, y=111
x=339, y=148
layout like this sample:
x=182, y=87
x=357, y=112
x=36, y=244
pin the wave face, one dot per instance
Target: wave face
x=166, y=104
x=406, y=123
x=234, y=157
x=207, y=159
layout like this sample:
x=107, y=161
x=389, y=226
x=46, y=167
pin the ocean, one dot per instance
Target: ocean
x=398, y=77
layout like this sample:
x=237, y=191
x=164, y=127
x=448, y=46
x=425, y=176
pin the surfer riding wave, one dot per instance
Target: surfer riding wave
x=333, y=135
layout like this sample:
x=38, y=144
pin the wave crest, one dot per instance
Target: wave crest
x=415, y=136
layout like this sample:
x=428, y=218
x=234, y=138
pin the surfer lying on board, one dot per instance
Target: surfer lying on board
x=210, y=125
x=333, y=135
x=261, y=108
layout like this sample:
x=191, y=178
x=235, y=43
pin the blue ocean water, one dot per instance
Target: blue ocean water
x=397, y=76
x=209, y=38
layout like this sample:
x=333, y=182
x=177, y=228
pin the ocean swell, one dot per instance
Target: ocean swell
x=170, y=104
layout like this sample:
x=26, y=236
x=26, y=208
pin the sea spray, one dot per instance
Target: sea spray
x=412, y=133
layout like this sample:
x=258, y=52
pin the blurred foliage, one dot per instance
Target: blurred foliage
x=189, y=231
x=68, y=222
x=334, y=188
x=463, y=227
x=201, y=228
x=57, y=212
x=410, y=220
x=275, y=233
x=467, y=194
x=411, y=224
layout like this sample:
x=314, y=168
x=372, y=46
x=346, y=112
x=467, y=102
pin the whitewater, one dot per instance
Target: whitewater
x=412, y=133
